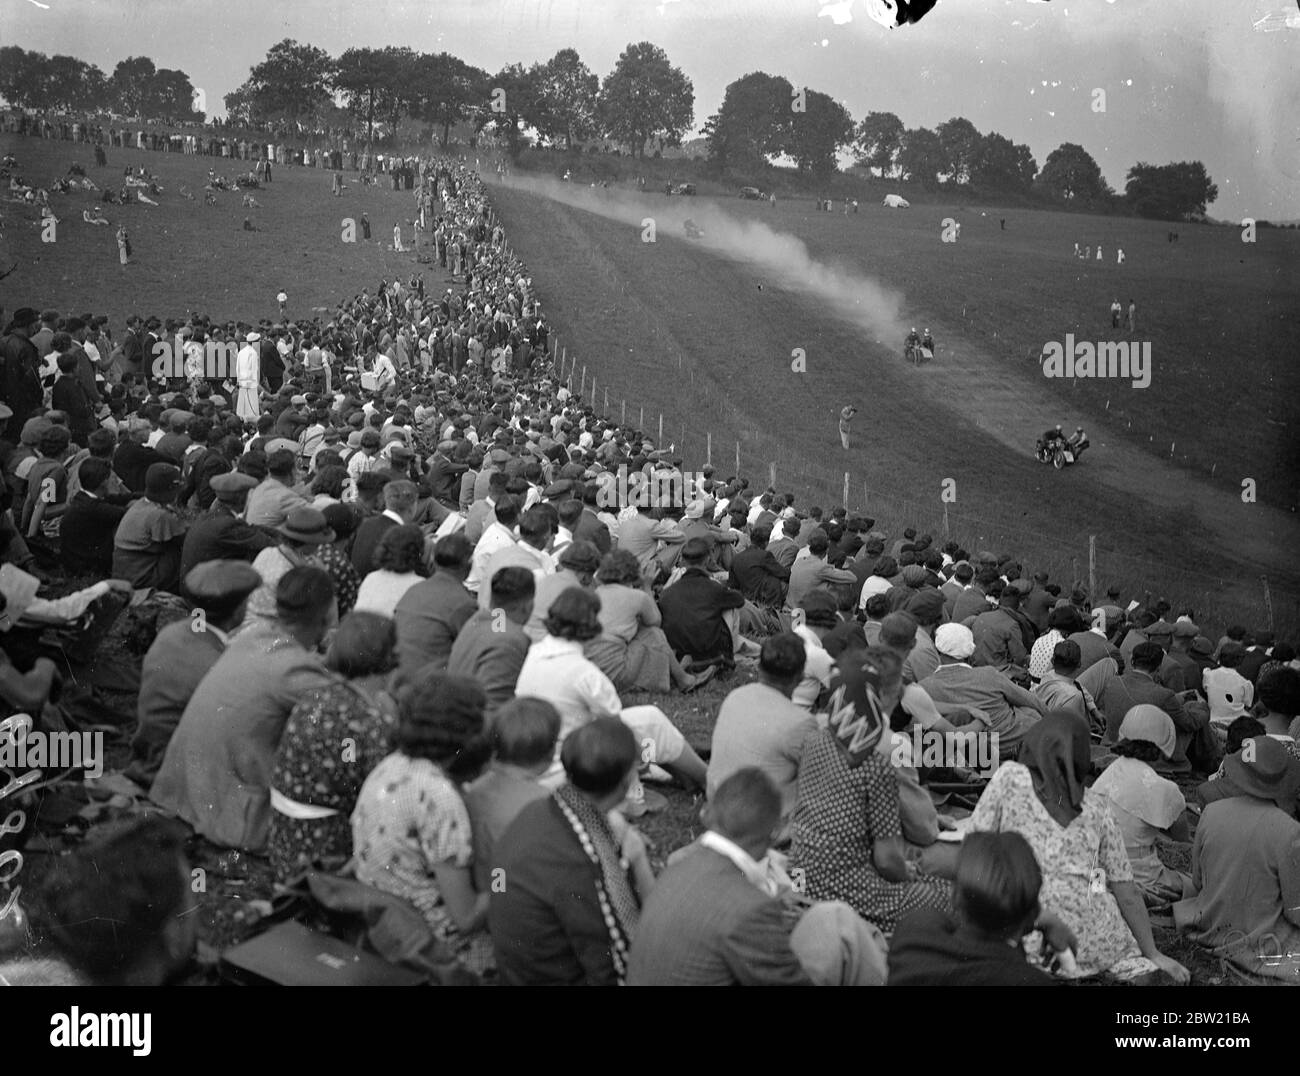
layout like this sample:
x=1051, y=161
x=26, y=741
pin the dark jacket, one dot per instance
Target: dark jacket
x=692, y=610
x=86, y=534
x=20, y=380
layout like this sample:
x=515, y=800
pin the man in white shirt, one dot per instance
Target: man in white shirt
x=385, y=372
x=248, y=377
x=530, y=552
x=497, y=535
x=815, y=616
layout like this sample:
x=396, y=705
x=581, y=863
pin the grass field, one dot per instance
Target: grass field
x=706, y=340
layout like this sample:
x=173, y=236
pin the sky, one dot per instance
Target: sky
x=1209, y=80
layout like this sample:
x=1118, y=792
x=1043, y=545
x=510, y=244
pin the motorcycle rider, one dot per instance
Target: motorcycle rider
x=1049, y=441
x=1078, y=442
x=913, y=340
x=927, y=342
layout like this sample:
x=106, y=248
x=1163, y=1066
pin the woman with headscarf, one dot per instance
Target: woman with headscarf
x=334, y=737
x=847, y=838
x=1246, y=866
x=1146, y=805
x=632, y=649
x=1087, y=880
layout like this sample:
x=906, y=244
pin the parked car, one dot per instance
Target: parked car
x=681, y=188
x=751, y=194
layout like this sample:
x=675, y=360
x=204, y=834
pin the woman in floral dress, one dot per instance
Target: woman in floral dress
x=334, y=737
x=410, y=829
x=847, y=840
x=1087, y=880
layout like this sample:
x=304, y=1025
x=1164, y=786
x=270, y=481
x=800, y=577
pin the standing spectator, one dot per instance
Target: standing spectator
x=1132, y=315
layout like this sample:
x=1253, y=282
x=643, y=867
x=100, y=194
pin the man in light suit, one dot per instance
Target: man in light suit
x=248, y=377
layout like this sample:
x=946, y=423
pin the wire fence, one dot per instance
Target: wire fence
x=769, y=458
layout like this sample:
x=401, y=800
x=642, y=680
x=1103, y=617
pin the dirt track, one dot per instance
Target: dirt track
x=977, y=415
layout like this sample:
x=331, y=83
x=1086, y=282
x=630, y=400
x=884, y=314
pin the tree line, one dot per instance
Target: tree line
x=643, y=102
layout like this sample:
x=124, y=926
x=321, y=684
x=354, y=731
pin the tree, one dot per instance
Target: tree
x=879, y=139
x=513, y=104
x=566, y=91
x=291, y=83
x=448, y=91
x=22, y=76
x=960, y=140
x=131, y=84
x=378, y=82
x=921, y=157
x=1070, y=173
x=171, y=95
x=1170, y=191
x=754, y=121
x=818, y=133
x=645, y=97
x=999, y=164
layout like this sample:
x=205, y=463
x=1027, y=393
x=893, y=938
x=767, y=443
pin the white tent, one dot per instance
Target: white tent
x=895, y=201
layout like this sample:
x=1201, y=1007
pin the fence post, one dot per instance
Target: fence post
x=1092, y=567
x=1074, y=570
x=708, y=448
x=640, y=422
x=737, y=459
x=623, y=421
x=946, y=533
x=582, y=387
x=1268, y=602
x=771, y=475
x=606, y=397
x=659, y=443
x=593, y=388
x=846, y=491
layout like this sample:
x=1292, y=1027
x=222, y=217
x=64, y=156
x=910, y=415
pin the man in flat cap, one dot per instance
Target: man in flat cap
x=222, y=533
x=181, y=655
x=20, y=382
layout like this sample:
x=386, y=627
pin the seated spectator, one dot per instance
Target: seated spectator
x=491, y=647
x=133, y=458
x=335, y=556
x=569, y=910
x=1002, y=706
x=399, y=506
x=999, y=641
x=398, y=566
x=1087, y=881
x=147, y=545
x=1057, y=689
x=1246, y=867
x=1279, y=704
x=815, y=571
x=716, y=918
x=758, y=574
x=1229, y=694
x=1196, y=748
x=221, y=533
x=846, y=834
x=300, y=536
x=1061, y=624
x=89, y=526
x=631, y=648
x=180, y=657
x=524, y=732
x=575, y=567
x=700, y=615
x=115, y=912
x=556, y=670
x=1146, y=805
x=47, y=485
x=431, y=613
x=536, y=531
x=216, y=773
x=334, y=737
x=815, y=618
x=981, y=943
x=270, y=504
x=410, y=831
x=758, y=726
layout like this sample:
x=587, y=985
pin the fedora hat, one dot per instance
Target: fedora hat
x=307, y=525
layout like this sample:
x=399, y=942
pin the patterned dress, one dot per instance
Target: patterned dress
x=342, y=574
x=334, y=737
x=410, y=816
x=1078, y=862
x=841, y=813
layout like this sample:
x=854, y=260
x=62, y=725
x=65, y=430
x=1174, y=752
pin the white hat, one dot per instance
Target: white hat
x=954, y=641
x=253, y=338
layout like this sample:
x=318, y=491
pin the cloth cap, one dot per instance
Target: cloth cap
x=281, y=444
x=1202, y=647
x=695, y=510
x=33, y=428
x=926, y=605
x=299, y=400
x=1160, y=629
x=229, y=486
x=913, y=575
x=1185, y=629
x=955, y=641
x=1150, y=723
x=580, y=557
x=820, y=608
x=222, y=580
